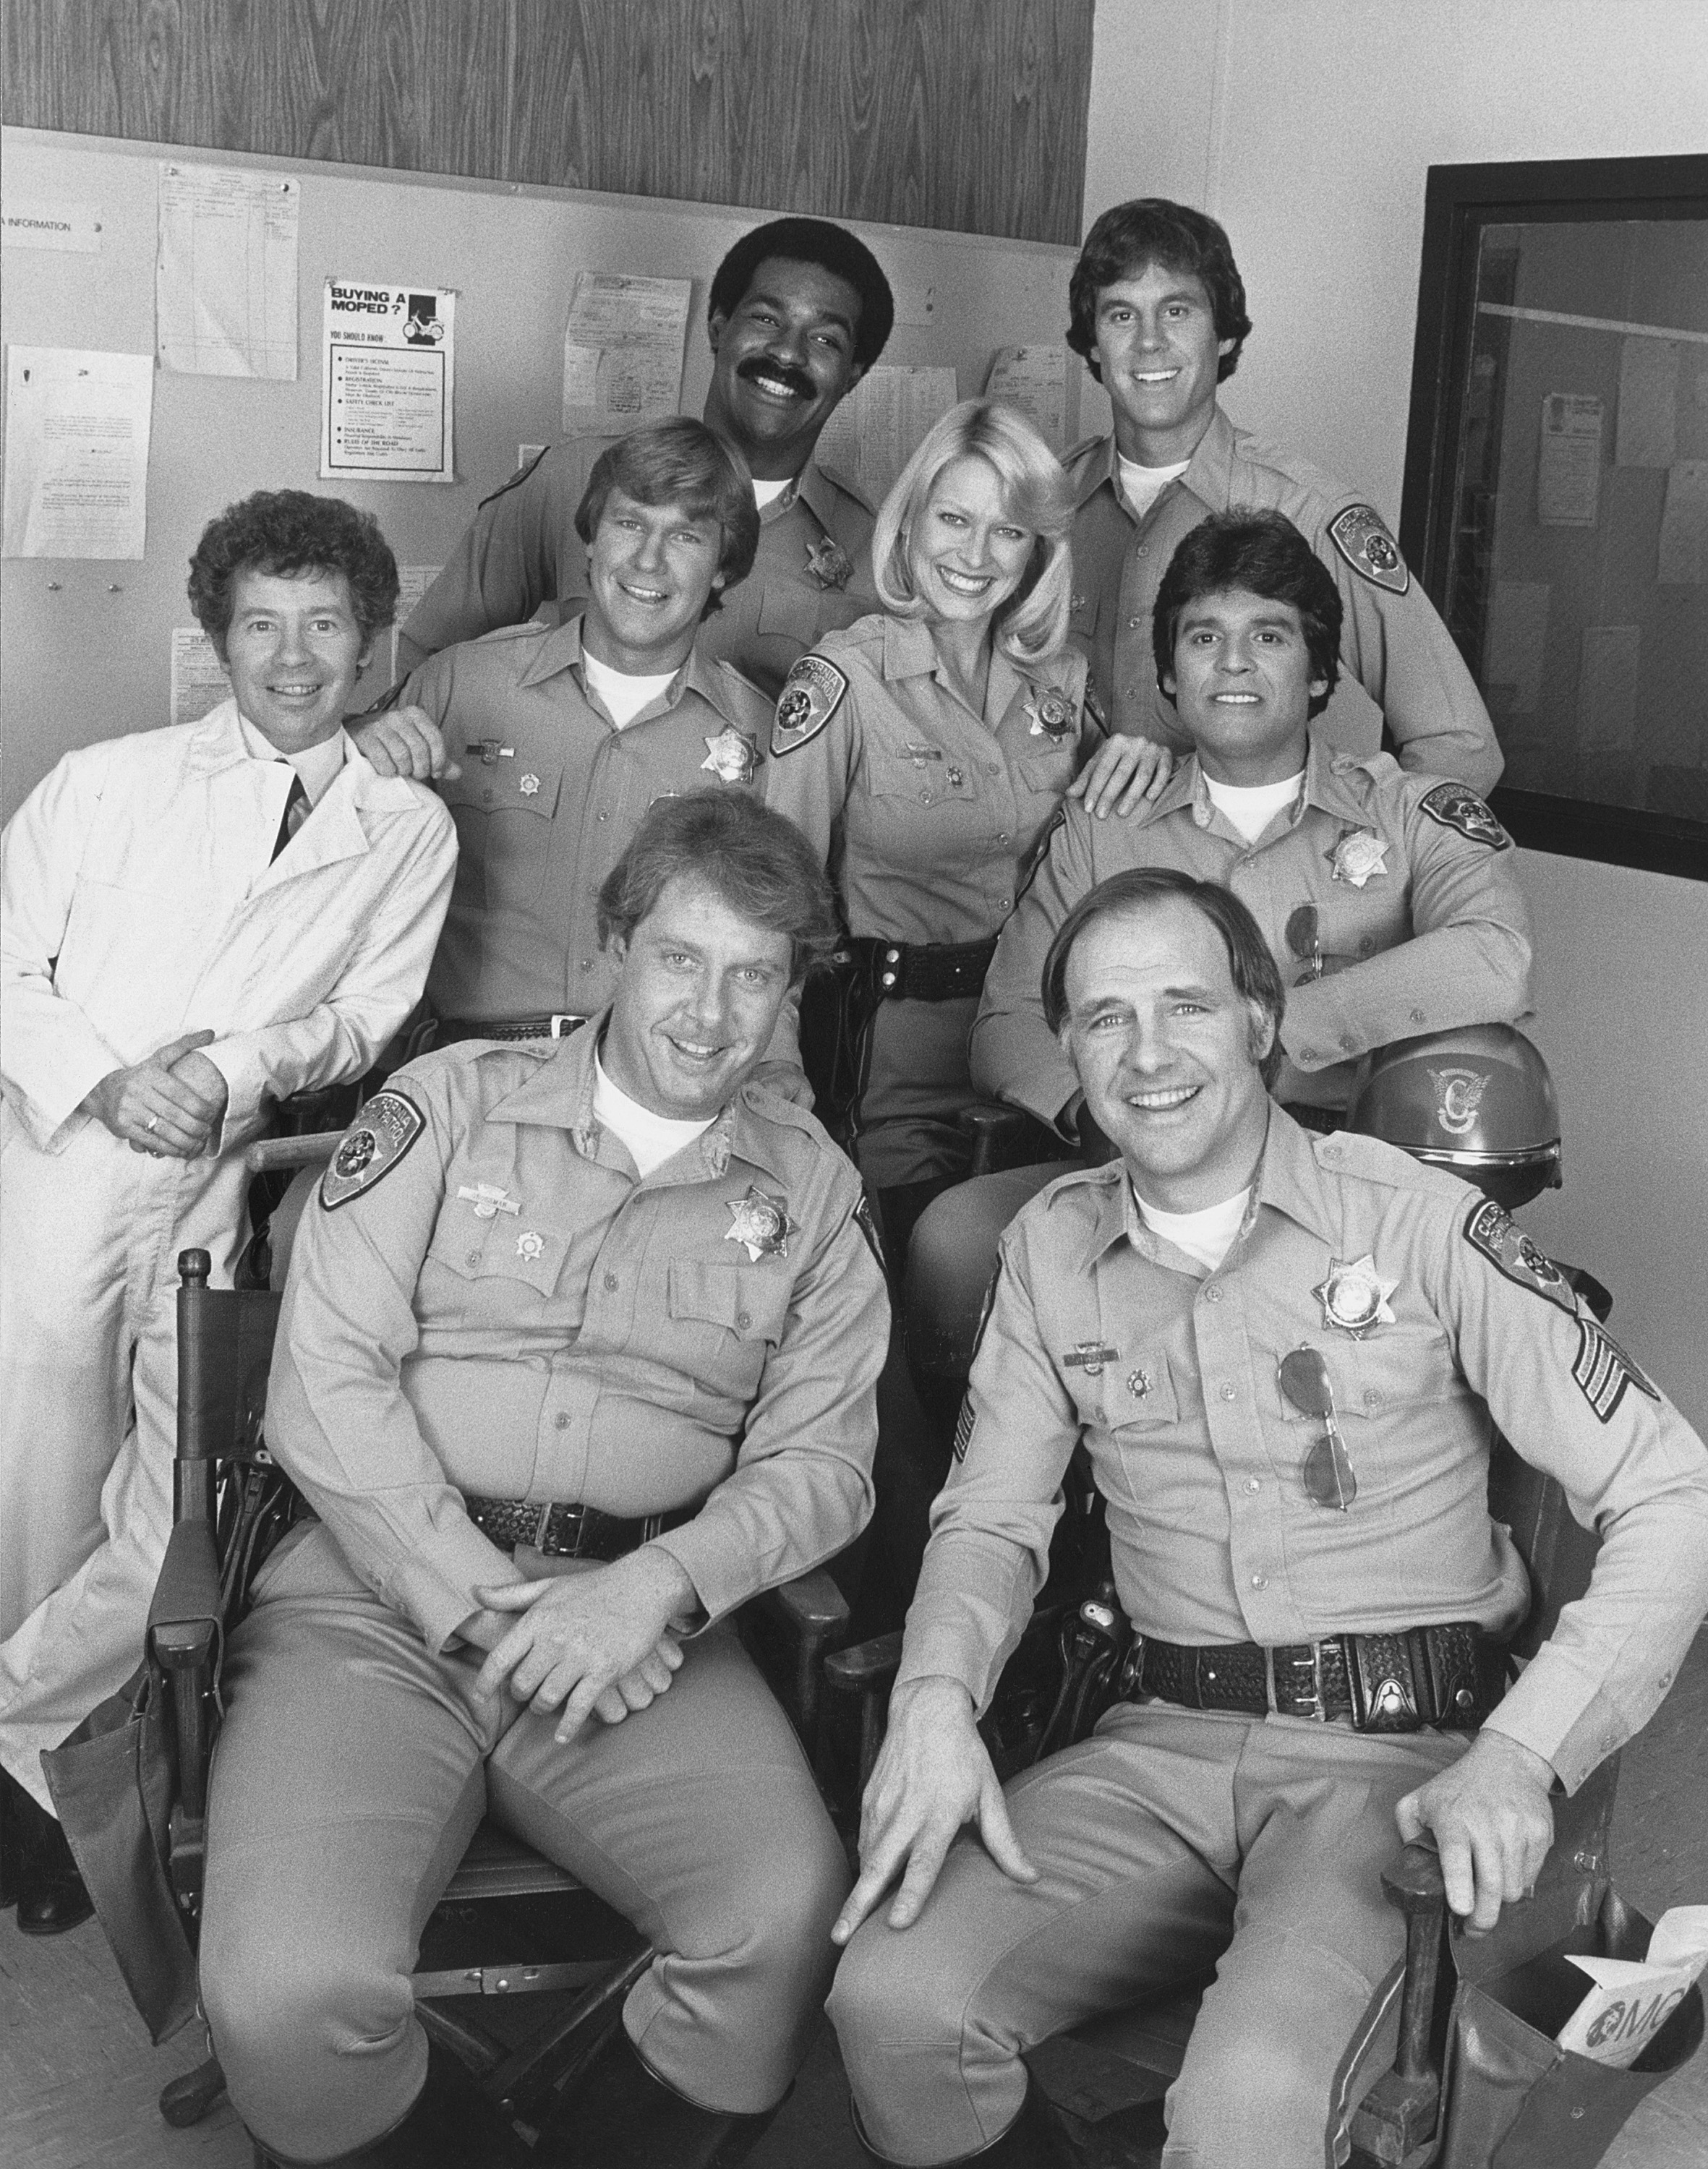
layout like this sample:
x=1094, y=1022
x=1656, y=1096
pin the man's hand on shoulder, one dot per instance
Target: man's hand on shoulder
x=600, y=1641
x=1491, y=1819
x=404, y=742
x=169, y=1106
x=932, y=1775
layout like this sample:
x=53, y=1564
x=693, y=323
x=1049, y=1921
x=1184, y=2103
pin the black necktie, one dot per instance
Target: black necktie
x=295, y=814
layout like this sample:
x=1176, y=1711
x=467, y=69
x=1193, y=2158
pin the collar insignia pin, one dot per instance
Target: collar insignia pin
x=762, y=1225
x=1354, y=1297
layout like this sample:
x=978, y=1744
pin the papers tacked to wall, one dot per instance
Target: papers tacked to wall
x=877, y=428
x=413, y=582
x=226, y=272
x=198, y=680
x=622, y=351
x=1684, y=546
x=1568, y=480
x=1034, y=379
x=77, y=446
x=388, y=381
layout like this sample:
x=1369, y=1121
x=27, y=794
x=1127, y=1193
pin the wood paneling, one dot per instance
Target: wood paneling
x=964, y=115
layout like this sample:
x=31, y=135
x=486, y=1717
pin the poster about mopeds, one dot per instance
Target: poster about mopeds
x=388, y=377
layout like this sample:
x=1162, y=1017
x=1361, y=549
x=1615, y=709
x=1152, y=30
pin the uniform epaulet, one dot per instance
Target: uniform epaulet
x=849, y=488
x=1378, y=767
x=752, y=704
x=462, y=1053
x=775, y=1106
x=1109, y=1174
x=1373, y=1159
x=529, y=629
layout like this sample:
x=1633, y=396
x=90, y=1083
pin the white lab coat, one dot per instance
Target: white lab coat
x=136, y=904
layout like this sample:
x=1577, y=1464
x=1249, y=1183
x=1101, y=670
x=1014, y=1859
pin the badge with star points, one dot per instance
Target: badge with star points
x=830, y=563
x=762, y=1225
x=1358, y=856
x=1050, y=714
x=732, y=756
x=1354, y=1297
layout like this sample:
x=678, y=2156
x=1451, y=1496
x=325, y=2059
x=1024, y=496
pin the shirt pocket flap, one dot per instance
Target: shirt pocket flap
x=504, y=1247
x=511, y=783
x=752, y=1300
x=903, y=764
x=1137, y=1390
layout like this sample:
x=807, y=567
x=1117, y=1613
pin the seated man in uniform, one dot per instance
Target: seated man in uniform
x=799, y=311
x=198, y=922
x=1283, y=1353
x=601, y=1300
x=1388, y=900
x=1158, y=313
x=561, y=737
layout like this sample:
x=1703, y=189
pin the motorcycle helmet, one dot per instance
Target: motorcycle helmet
x=1477, y=1100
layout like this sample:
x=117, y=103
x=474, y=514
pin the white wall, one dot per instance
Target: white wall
x=1307, y=127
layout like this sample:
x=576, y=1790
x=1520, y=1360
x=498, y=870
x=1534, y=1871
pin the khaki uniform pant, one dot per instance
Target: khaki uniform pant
x=88, y=1326
x=1171, y=1843
x=354, y=1766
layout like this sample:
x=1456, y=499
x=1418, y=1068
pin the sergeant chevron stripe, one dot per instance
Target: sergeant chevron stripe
x=1602, y=1370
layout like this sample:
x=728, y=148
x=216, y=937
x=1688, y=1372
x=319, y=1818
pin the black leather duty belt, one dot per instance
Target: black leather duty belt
x=558, y=1026
x=919, y=971
x=1449, y=1677
x=568, y=1531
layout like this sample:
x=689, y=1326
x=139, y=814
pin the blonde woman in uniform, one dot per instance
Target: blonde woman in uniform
x=924, y=751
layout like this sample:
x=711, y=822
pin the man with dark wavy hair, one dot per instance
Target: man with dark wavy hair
x=800, y=310
x=200, y=922
x=1158, y=313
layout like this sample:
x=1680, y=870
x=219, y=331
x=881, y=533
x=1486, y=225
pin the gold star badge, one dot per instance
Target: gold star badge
x=732, y=756
x=762, y=1224
x=1051, y=713
x=830, y=563
x=1355, y=1297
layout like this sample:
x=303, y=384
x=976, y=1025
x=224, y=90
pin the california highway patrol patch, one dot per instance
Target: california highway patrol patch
x=1602, y=1370
x=812, y=693
x=1494, y=1232
x=1456, y=808
x=371, y=1147
x=1362, y=538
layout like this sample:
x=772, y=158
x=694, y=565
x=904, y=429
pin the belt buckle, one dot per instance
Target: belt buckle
x=543, y=1526
x=561, y=1022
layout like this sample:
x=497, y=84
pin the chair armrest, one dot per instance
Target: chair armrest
x=867, y=1665
x=187, y=1594
x=812, y=1601
x=793, y=1626
x=1004, y=1137
x=268, y=1153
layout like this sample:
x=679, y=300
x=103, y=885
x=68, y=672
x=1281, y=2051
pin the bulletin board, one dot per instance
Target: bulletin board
x=86, y=643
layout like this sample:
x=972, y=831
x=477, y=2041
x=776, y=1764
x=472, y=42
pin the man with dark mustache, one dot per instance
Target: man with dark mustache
x=800, y=310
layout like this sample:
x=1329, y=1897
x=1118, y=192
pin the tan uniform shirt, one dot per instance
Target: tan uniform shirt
x=1398, y=661
x=1102, y=1332
x=926, y=816
x=548, y=800
x=812, y=570
x=1421, y=924
x=506, y=1309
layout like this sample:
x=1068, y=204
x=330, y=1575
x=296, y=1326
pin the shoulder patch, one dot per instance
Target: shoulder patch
x=866, y=1220
x=372, y=1145
x=1493, y=1230
x=1456, y=808
x=1602, y=1370
x=812, y=693
x=1361, y=536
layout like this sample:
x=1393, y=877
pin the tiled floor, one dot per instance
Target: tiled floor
x=78, y=2078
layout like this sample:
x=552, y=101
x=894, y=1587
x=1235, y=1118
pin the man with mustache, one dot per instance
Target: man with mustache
x=800, y=310
x=1158, y=313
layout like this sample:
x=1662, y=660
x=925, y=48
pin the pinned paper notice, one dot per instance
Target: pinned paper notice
x=1568, y=479
x=1683, y=548
x=413, y=582
x=622, y=351
x=1648, y=403
x=198, y=679
x=1632, y=1999
x=388, y=382
x=226, y=272
x=77, y=444
x=877, y=428
x=1034, y=379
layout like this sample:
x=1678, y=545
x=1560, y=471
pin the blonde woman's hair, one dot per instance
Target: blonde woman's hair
x=1033, y=622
